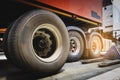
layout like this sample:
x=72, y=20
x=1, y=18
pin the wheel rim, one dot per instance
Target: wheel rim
x=74, y=45
x=95, y=45
x=47, y=42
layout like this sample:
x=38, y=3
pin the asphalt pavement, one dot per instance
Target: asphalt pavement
x=110, y=75
x=70, y=71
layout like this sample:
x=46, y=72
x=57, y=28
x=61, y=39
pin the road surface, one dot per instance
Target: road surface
x=70, y=71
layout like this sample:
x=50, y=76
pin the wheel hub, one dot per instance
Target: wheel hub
x=94, y=46
x=73, y=45
x=42, y=43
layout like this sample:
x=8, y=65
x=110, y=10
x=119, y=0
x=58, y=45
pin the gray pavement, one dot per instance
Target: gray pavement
x=110, y=75
x=70, y=71
x=76, y=71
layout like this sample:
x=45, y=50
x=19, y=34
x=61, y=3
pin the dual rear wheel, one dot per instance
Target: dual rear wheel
x=77, y=44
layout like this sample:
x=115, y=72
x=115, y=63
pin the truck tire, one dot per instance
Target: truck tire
x=76, y=44
x=10, y=57
x=36, y=42
x=5, y=45
x=96, y=45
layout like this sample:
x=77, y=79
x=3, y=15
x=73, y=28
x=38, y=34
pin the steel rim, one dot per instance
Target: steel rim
x=74, y=45
x=47, y=42
x=95, y=45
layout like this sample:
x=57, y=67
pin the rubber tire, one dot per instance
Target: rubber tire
x=10, y=56
x=5, y=41
x=74, y=32
x=99, y=48
x=21, y=33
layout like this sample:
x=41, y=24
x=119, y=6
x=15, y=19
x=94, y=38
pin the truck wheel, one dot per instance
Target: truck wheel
x=36, y=42
x=5, y=45
x=95, y=45
x=76, y=45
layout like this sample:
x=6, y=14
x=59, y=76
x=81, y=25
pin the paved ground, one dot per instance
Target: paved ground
x=70, y=71
x=110, y=75
x=78, y=71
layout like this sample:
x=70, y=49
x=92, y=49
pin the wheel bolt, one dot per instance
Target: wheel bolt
x=72, y=41
x=73, y=45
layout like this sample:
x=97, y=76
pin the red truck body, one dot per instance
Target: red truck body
x=90, y=9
